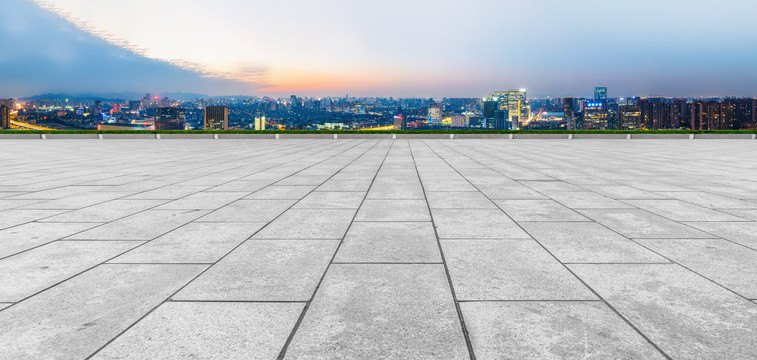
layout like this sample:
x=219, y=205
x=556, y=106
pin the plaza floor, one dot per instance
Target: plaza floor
x=372, y=249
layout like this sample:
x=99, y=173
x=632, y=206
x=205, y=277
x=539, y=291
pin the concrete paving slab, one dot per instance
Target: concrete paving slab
x=170, y=192
x=264, y=270
x=687, y=316
x=640, y=224
x=552, y=330
x=738, y=232
x=393, y=210
x=203, y=201
x=145, y=225
x=7, y=204
x=552, y=186
x=218, y=331
x=381, y=312
x=396, y=190
x=713, y=201
x=105, y=212
x=30, y=272
x=76, y=318
x=459, y=200
x=625, y=192
x=360, y=185
x=681, y=211
x=331, y=200
x=309, y=224
x=10, y=218
x=588, y=243
x=476, y=224
x=394, y=284
x=509, y=270
x=390, y=242
x=25, y=237
x=241, y=186
x=250, y=211
x=538, y=210
x=724, y=262
x=744, y=214
x=282, y=192
x=587, y=200
x=510, y=192
x=446, y=185
x=304, y=180
x=76, y=201
x=195, y=242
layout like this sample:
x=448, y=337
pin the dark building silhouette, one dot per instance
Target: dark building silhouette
x=629, y=117
x=216, y=118
x=5, y=117
x=571, y=118
x=169, y=118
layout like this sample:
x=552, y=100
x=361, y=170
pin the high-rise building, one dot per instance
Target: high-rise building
x=5, y=117
x=460, y=120
x=488, y=109
x=169, y=118
x=570, y=116
x=295, y=103
x=216, y=118
x=678, y=114
x=10, y=103
x=516, y=104
x=600, y=94
x=595, y=116
x=629, y=117
x=400, y=122
x=260, y=122
x=434, y=115
x=655, y=113
x=146, y=101
x=135, y=105
x=742, y=112
x=97, y=109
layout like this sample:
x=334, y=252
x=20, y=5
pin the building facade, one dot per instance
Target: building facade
x=629, y=117
x=169, y=118
x=5, y=117
x=595, y=116
x=216, y=118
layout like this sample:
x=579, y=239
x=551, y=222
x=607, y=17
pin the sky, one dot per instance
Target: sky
x=400, y=48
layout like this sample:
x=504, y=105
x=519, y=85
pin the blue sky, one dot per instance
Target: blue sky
x=388, y=48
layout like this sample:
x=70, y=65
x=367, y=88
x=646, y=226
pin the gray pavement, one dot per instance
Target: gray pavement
x=378, y=248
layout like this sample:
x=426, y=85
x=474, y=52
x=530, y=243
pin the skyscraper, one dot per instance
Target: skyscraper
x=260, y=122
x=10, y=103
x=400, y=123
x=629, y=117
x=515, y=102
x=595, y=116
x=169, y=118
x=569, y=108
x=5, y=117
x=216, y=118
x=600, y=94
x=434, y=115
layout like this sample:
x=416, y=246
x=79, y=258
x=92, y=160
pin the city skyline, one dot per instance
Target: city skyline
x=415, y=49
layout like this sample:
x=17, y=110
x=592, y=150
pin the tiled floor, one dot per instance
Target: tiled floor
x=360, y=249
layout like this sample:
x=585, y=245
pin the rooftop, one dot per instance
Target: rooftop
x=378, y=248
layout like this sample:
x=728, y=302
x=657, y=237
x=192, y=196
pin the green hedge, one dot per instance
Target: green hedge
x=380, y=132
